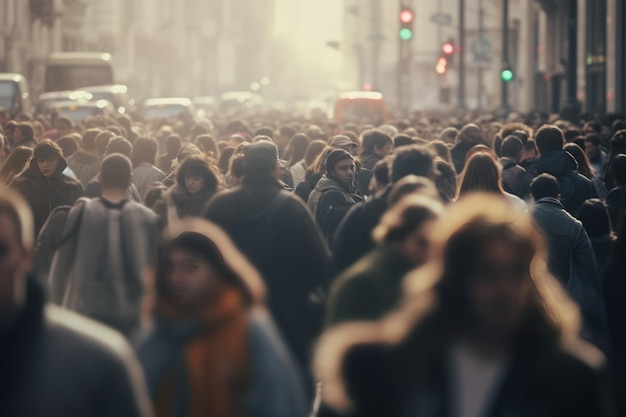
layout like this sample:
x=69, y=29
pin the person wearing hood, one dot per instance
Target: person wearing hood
x=43, y=183
x=85, y=162
x=334, y=194
x=553, y=160
x=213, y=349
x=196, y=183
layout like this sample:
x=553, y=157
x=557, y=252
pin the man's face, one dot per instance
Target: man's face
x=48, y=166
x=593, y=151
x=343, y=173
x=14, y=265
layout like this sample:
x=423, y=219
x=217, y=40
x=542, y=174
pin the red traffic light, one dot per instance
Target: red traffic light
x=406, y=16
x=447, y=48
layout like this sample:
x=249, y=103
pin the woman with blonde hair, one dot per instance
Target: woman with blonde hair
x=485, y=330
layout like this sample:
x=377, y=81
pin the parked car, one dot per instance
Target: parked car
x=14, y=93
x=166, y=107
x=48, y=100
x=117, y=95
x=77, y=111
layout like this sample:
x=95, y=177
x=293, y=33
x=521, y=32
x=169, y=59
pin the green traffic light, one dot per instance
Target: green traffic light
x=406, y=34
x=507, y=75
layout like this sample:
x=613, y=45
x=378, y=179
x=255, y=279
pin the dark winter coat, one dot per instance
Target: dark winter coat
x=370, y=289
x=185, y=204
x=515, y=179
x=616, y=204
x=369, y=159
x=573, y=187
x=45, y=194
x=459, y=152
x=543, y=379
x=283, y=242
x=55, y=363
x=304, y=189
x=330, y=203
x=85, y=165
x=353, y=238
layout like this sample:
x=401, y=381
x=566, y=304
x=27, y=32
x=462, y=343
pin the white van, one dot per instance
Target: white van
x=14, y=93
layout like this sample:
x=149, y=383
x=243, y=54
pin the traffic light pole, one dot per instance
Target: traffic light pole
x=505, y=52
x=462, y=54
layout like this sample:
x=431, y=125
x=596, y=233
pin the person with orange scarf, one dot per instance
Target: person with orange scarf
x=213, y=350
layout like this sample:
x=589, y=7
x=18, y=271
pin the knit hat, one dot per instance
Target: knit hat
x=47, y=149
x=261, y=156
x=335, y=157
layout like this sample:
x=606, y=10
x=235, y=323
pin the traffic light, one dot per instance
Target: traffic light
x=447, y=51
x=507, y=74
x=407, y=17
x=442, y=65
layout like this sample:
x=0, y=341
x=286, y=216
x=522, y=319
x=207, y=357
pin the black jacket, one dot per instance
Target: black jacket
x=515, y=179
x=574, y=188
x=330, y=203
x=543, y=379
x=56, y=363
x=369, y=160
x=45, y=194
x=283, y=242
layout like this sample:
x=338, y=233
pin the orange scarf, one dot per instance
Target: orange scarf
x=216, y=361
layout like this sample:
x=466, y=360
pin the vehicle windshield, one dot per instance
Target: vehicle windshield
x=79, y=113
x=8, y=94
x=71, y=77
x=163, y=111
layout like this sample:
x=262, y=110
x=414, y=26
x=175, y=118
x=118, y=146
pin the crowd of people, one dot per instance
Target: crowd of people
x=278, y=266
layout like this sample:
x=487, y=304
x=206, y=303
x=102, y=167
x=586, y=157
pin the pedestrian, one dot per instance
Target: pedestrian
x=208, y=145
x=482, y=174
x=300, y=168
x=24, y=135
x=43, y=183
x=553, y=160
x=515, y=179
x=376, y=146
x=173, y=143
x=345, y=143
x=313, y=174
x=297, y=149
x=85, y=162
x=145, y=172
x=586, y=169
x=571, y=259
x=47, y=352
x=107, y=251
x=334, y=193
x=616, y=200
x=196, y=182
x=380, y=177
x=597, y=156
x=469, y=136
x=15, y=163
x=373, y=286
x=213, y=350
x=484, y=331
x=597, y=223
x=277, y=233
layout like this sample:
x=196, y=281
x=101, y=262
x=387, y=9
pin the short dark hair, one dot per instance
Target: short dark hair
x=593, y=139
x=173, y=143
x=544, y=186
x=412, y=160
x=373, y=139
x=401, y=140
x=265, y=131
x=89, y=139
x=596, y=126
x=116, y=171
x=68, y=145
x=512, y=146
x=530, y=145
x=198, y=165
x=144, y=151
x=381, y=172
x=26, y=130
x=549, y=138
x=595, y=218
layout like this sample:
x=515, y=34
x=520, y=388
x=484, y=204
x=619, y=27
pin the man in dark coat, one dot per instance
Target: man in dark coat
x=468, y=137
x=276, y=231
x=54, y=362
x=553, y=160
x=334, y=193
x=515, y=179
x=376, y=146
x=44, y=185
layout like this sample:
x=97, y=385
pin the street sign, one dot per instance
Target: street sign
x=482, y=49
x=441, y=19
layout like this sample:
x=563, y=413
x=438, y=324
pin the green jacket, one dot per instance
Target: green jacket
x=370, y=289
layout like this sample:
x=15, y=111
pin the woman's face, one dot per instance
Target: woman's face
x=194, y=184
x=415, y=247
x=500, y=287
x=189, y=278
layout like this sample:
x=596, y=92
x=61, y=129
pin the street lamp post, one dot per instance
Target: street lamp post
x=505, y=53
